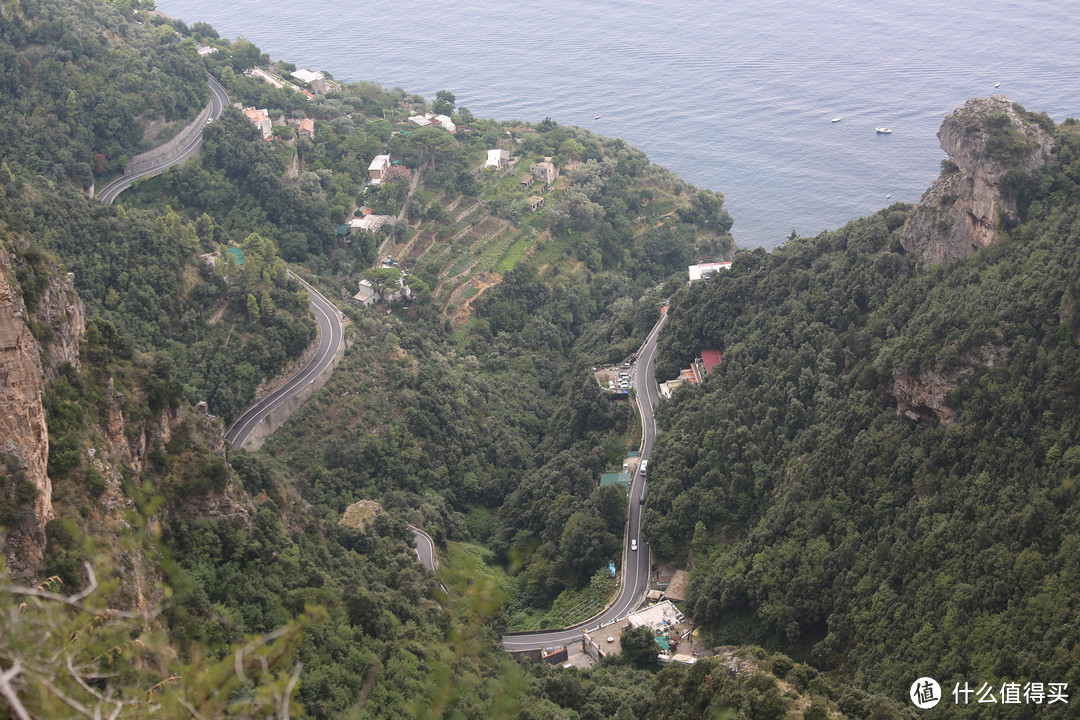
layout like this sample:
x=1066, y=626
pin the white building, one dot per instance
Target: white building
x=369, y=223
x=367, y=294
x=432, y=119
x=308, y=76
x=497, y=158
x=377, y=169
x=700, y=272
x=445, y=123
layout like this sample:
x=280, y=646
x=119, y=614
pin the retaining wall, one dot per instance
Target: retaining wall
x=163, y=152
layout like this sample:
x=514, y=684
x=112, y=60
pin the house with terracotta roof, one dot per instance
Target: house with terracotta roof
x=261, y=120
x=306, y=128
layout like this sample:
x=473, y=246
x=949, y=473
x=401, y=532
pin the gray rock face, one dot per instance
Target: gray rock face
x=986, y=139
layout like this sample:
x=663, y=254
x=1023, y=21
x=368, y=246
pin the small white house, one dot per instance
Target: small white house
x=445, y=123
x=367, y=294
x=377, y=169
x=704, y=270
x=497, y=158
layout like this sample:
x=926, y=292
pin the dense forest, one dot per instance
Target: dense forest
x=875, y=543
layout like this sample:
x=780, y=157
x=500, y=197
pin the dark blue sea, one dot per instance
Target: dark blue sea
x=735, y=96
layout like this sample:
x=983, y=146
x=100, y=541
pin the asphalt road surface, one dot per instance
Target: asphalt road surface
x=425, y=550
x=330, y=335
x=219, y=100
x=636, y=563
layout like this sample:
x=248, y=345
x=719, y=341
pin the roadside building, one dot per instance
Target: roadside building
x=497, y=158
x=622, y=479
x=603, y=641
x=677, y=589
x=710, y=359
x=378, y=168
x=668, y=625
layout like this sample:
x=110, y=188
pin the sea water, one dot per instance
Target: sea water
x=733, y=96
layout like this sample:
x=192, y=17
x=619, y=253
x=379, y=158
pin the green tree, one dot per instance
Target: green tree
x=252, y=308
x=384, y=279
x=639, y=647
x=444, y=103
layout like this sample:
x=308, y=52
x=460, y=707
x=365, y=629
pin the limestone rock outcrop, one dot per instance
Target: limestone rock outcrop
x=988, y=141
x=24, y=438
x=922, y=397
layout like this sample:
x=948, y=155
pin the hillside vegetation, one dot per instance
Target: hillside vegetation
x=869, y=545
x=843, y=516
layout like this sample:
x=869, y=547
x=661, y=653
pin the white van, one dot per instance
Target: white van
x=643, y=464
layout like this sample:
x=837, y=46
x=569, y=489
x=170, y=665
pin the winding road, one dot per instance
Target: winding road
x=330, y=339
x=219, y=100
x=636, y=563
x=425, y=551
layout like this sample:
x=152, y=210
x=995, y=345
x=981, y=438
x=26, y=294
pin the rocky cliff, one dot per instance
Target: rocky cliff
x=24, y=438
x=994, y=147
x=922, y=397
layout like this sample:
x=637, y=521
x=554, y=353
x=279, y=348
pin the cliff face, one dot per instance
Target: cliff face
x=988, y=140
x=24, y=437
x=62, y=311
x=922, y=397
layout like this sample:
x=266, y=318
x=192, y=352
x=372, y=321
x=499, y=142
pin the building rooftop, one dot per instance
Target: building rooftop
x=304, y=75
x=660, y=617
x=608, y=638
x=710, y=359
x=677, y=589
x=620, y=478
x=704, y=270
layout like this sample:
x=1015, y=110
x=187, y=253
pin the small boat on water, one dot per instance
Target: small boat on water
x=837, y=118
x=597, y=117
x=883, y=130
x=997, y=84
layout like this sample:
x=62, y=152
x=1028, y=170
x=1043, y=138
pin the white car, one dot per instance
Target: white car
x=633, y=544
x=644, y=464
